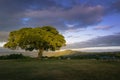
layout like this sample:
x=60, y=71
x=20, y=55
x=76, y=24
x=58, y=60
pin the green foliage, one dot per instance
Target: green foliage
x=14, y=56
x=39, y=38
x=94, y=55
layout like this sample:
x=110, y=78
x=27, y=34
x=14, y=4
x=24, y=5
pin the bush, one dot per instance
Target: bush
x=14, y=56
x=102, y=55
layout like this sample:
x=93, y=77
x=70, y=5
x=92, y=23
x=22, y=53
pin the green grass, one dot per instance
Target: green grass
x=33, y=69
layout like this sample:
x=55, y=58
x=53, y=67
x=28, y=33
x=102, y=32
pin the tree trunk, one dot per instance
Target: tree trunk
x=40, y=53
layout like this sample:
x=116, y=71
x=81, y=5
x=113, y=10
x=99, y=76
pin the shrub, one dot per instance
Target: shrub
x=14, y=56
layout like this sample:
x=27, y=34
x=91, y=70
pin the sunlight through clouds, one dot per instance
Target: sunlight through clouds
x=2, y=44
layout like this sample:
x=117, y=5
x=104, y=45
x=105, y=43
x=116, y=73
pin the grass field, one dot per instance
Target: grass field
x=59, y=70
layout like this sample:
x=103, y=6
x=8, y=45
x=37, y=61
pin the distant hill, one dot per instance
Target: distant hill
x=60, y=53
x=84, y=55
x=66, y=53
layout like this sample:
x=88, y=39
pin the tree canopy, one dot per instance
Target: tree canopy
x=40, y=38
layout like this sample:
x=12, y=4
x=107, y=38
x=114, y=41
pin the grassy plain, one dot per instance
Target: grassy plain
x=33, y=69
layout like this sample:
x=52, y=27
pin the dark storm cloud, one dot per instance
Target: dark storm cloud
x=47, y=12
x=80, y=15
x=115, y=6
x=101, y=41
x=12, y=11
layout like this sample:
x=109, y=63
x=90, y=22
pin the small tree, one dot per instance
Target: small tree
x=39, y=38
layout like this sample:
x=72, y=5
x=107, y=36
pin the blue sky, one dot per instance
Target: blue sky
x=87, y=23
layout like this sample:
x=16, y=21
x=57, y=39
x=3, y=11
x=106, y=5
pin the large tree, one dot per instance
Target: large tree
x=39, y=38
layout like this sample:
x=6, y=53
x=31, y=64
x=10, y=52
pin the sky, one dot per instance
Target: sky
x=84, y=23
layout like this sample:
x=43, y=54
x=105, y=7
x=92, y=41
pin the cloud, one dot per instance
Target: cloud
x=115, y=6
x=70, y=25
x=101, y=41
x=82, y=15
x=88, y=34
x=3, y=36
x=2, y=44
x=103, y=27
x=72, y=30
x=47, y=12
x=12, y=11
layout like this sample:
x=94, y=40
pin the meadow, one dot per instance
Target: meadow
x=62, y=65
x=54, y=69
